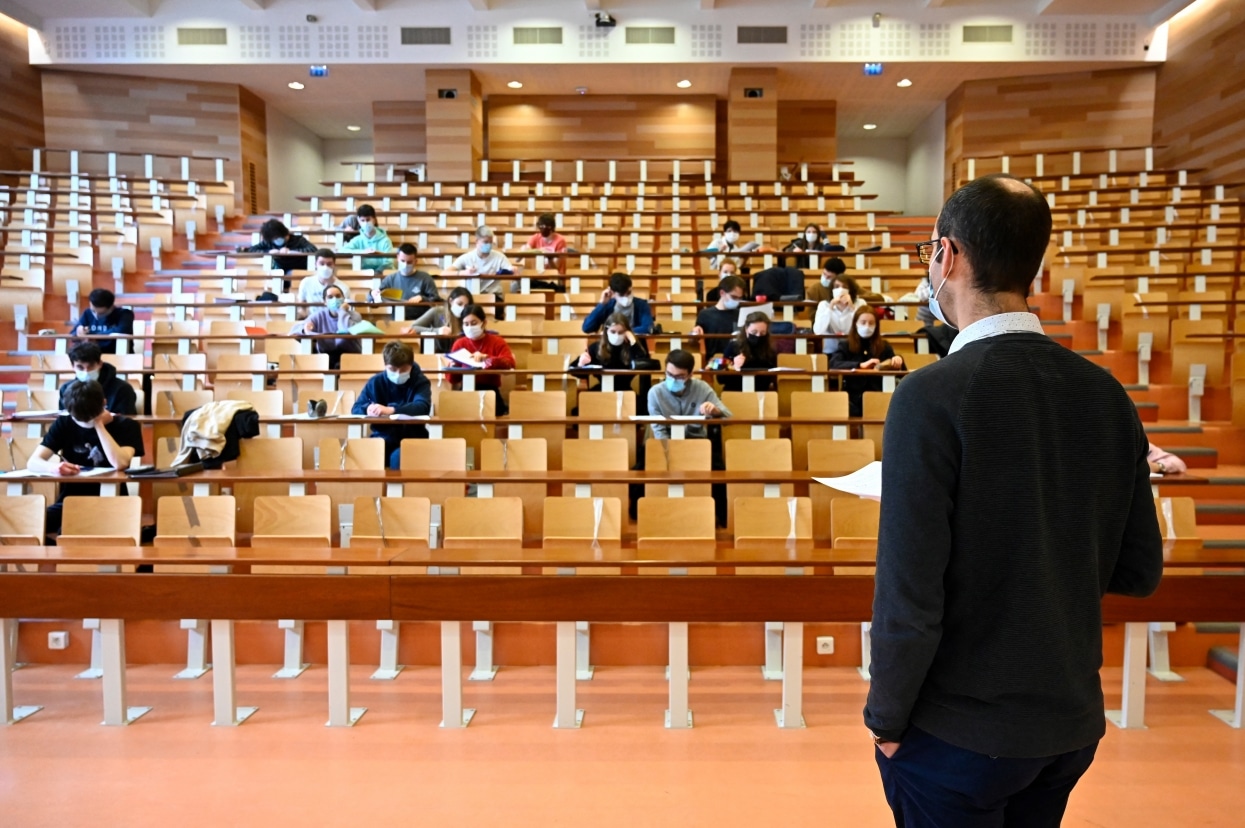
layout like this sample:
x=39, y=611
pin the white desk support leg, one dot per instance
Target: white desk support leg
x=791, y=714
x=772, y=670
x=567, y=715
x=389, y=666
x=1197, y=387
x=112, y=634
x=583, y=643
x=485, y=669
x=8, y=654
x=196, y=648
x=866, y=644
x=1132, y=712
x=678, y=716
x=1236, y=717
x=294, y=664
x=341, y=714
x=1160, y=663
x=96, y=670
x=12, y=636
x=452, y=713
x=224, y=706
x=1145, y=345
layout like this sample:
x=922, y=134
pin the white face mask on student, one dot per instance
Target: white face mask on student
x=615, y=339
x=730, y=236
x=623, y=302
x=324, y=273
x=811, y=238
x=865, y=330
x=473, y=331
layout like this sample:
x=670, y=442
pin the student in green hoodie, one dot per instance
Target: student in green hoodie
x=372, y=238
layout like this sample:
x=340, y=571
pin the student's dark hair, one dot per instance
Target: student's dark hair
x=620, y=282
x=547, y=219
x=273, y=229
x=398, y=354
x=326, y=253
x=812, y=226
x=765, y=351
x=732, y=225
x=729, y=283
x=85, y=352
x=366, y=211
x=835, y=265
x=1000, y=229
x=335, y=287
x=604, y=349
x=408, y=249
x=853, y=289
x=475, y=310
x=456, y=322
x=84, y=401
x=683, y=360
x=460, y=291
x=869, y=347
x=101, y=298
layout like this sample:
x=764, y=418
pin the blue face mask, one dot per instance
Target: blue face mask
x=278, y=243
x=333, y=304
x=675, y=386
x=397, y=377
x=485, y=248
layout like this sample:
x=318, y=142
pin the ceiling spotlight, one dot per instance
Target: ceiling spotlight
x=605, y=20
x=904, y=84
x=871, y=126
x=877, y=20
x=295, y=85
x=515, y=85
x=684, y=84
x=353, y=127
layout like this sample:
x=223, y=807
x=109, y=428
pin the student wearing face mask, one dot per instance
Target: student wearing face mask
x=416, y=285
x=399, y=389
x=487, y=349
x=276, y=238
x=444, y=320
x=311, y=289
x=838, y=314
x=617, y=299
x=372, y=238
x=483, y=260
x=104, y=317
x=547, y=239
x=751, y=350
x=810, y=241
x=89, y=366
x=87, y=436
x=822, y=289
x=618, y=349
x=864, y=349
x=722, y=318
x=728, y=241
x=335, y=317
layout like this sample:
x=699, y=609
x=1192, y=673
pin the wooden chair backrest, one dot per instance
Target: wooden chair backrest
x=23, y=520
x=363, y=363
x=526, y=454
x=278, y=520
x=360, y=453
x=265, y=453
x=677, y=525
x=572, y=521
x=828, y=458
x=117, y=521
x=854, y=517
x=468, y=405
x=474, y=521
x=405, y=521
x=678, y=455
x=762, y=404
x=266, y=403
x=199, y=521
x=241, y=363
x=337, y=402
x=874, y=405
x=585, y=455
x=178, y=403
x=1177, y=517
x=447, y=454
x=773, y=520
x=758, y=455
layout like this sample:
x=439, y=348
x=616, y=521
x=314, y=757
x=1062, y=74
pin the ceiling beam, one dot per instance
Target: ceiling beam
x=146, y=8
x=1168, y=11
x=479, y=5
x=1042, y=6
x=708, y=4
x=255, y=5
x=936, y=4
x=366, y=5
x=21, y=14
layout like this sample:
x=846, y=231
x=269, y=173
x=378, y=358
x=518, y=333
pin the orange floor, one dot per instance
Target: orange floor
x=510, y=768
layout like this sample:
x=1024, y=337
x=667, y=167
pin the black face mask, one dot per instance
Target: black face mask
x=755, y=339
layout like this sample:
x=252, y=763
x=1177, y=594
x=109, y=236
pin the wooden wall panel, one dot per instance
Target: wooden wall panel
x=954, y=142
x=752, y=137
x=1199, y=106
x=91, y=111
x=806, y=131
x=400, y=131
x=21, y=97
x=455, y=127
x=253, y=125
x=600, y=127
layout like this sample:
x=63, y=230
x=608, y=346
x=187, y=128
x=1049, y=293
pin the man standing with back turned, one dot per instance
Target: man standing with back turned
x=1015, y=493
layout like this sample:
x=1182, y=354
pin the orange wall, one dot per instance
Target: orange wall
x=399, y=131
x=806, y=131
x=21, y=97
x=253, y=125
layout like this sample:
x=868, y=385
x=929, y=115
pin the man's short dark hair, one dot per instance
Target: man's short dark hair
x=398, y=354
x=366, y=211
x=273, y=229
x=620, y=283
x=547, y=220
x=326, y=253
x=683, y=360
x=729, y=283
x=84, y=401
x=835, y=265
x=732, y=225
x=1001, y=231
x=101, y=298
x=87, y=353
x=408, y=249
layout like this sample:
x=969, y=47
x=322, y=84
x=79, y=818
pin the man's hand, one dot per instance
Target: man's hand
x=708, y=409
x=309, y=327
x=378, y=410
x=888, y=748
x=606, y=295
x=375, y=296
x=444, y=330
x=479, y=357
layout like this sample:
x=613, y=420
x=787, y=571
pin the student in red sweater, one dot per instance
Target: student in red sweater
x=487, y=349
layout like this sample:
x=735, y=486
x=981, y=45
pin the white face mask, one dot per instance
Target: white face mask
x=87, y=376
x=811, y=238
x=367, y=228
x=324, y=273
x=457, y=310
x=615, y=339
x=622, y=301
x=406, y=268
x=730, y=303
x=730, y=236
x=473, y=331
x=826, y=282
x=865, y=330
x=840, y=292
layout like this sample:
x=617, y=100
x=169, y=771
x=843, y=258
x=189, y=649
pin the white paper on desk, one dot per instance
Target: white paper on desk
x=463, y=357
x=647, y=418
x=17, y=415
x=687, y=416
x=83, y=473
x=745, y=310
x=1155, y=474
x=410, y=416
x=866, y=482
x=781, y=368
x=351, y=416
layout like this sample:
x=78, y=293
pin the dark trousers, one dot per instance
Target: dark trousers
x=929, y=782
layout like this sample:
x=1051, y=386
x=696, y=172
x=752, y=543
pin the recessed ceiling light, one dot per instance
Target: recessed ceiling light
x=515, y=85
x=353, y=127
x=684, y=84
x=295, y=85
x=871, y=126
x=905, y=83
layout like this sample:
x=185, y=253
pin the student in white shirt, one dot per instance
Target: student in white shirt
x=311, y=289
x=483, y=260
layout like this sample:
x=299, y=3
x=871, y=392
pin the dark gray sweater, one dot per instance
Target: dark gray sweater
x=1015, y=493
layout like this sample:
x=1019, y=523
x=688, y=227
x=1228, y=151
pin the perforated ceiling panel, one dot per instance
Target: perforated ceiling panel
x=895, y=40
x=1041, y=39
x=1120, y=40
x=856, y=40
x=373, y=42
x=1080, y=39
x=333, y=42
x=815, y=40
x=935, y=40
x=594, y=42
x=110, y=43
x=481, y=42
x=149, y=42
x=255, y=42
x=294, y=42
x=706, y=40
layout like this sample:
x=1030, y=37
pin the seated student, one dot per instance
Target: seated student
x=810, y=241
x=311, y=288
x=728, y=242
x=617, y=299
x=103, y=318
x=416, y=285
x=276, y=238
x=87, y=436
x=372, y=238
x=722, y=318
x=1164, y=462
x=751, y=350
x=837, y=315
x=444, y=320
x=487, y=350
x=727, y=268
x=546, y=239
x=618, y=349
x=864, y=350
x=89, y=366
x=483, y=260
x=400, y=389
x=823, y=291
x=335, y=317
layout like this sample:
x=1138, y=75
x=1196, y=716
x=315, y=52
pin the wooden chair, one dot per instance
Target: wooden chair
x=557, y=378
x=447, y=454
x=1177, y=518
x=755, y=455
x=23, y=520
x=769, y=522
x=38, y=399
x=366, y=453
x=391, y=521
x=828, y=404
x=526, y=454
x=833, y=458
x=297, y=385
x=854, y=518
x=468, y=405
x=283, y=520
x=86, y=521
x=615, y=405
x=475, y=522
x=678, y=455
x=759, y=404
x=682, y=527
x=573, y=522
x=875, y=404
x=264, y=454
x=600, y=455
x=234, y=370
x=196, y=521
x=541, y=404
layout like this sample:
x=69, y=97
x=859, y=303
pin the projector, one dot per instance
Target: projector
x=605, y=21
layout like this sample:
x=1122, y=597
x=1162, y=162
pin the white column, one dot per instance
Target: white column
x=583, y=642
x=116, y=713
x=1234, y=717
x=341, y=714
x=389, y=666
x=866, y=645
x=1160, y=662
x=485, y=669
x=8, y=654
x=772, y=669
x=1132, y=712
x=224, y=705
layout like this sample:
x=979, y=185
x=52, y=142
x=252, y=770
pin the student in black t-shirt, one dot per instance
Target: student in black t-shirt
x=723, y=317
x=88, y=436
x=104, y=318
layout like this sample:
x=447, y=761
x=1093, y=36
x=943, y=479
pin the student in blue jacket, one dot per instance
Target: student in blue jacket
x=617, y=298
x=400, y=389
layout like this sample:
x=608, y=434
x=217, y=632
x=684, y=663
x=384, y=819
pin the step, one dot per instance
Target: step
x=1147, y=411
x=1196, y=457
x=1220, y=513
x=1222, y=660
